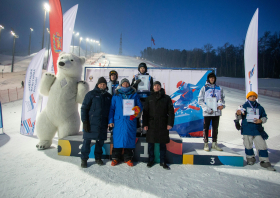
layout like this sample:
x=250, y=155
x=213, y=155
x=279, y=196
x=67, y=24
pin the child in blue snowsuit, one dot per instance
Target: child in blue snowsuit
x=252, y=130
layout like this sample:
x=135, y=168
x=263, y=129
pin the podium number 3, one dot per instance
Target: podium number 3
x=212, y=160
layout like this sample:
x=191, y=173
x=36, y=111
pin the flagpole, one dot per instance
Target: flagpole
x=151, y=42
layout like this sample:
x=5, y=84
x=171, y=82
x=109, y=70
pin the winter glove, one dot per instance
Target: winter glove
x=237, y=125
x=135, y=84
x=86, y=127
x=136, y=109
x=210, y=111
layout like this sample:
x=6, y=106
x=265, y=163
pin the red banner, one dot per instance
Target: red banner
x=56, y=30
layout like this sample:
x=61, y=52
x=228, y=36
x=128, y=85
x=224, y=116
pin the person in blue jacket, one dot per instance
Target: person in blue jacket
x=94, y=114
x=113, y=75
x=252, y=130
x=124, y=132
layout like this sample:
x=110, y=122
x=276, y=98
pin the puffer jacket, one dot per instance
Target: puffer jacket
x=95, y=110
x=207, y=91
x=124, y=132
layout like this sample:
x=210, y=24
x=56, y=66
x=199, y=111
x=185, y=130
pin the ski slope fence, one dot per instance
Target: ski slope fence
x=10, y=95
x=242, y=87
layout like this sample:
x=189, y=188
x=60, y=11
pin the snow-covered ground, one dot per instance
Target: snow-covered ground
x=27, y=172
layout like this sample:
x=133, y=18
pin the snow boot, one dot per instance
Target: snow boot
x=164, y=165
x=129, y=163
x=267, y=165
x=84, y=164
x=251, y=160
x=206, y=147
x=99, y=162
x=150, y=164
x=114, y=162
x=215, y=146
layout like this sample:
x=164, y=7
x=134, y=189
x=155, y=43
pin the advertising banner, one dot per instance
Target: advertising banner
x=251, y=55
x=183, y=86
x=56, y=30
x=31, y=94
x=69, y=19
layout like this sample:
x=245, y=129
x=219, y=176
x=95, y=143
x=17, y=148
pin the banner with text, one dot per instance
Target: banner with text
x=31, y=94
x=251, y=55
x=183, y=86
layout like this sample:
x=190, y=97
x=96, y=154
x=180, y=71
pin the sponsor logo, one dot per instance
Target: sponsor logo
x=30, y=104
x=90, y=78
x=28, y=126
x=57, y=42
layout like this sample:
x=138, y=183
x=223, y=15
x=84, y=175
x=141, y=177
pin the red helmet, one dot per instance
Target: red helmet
x=180, y=84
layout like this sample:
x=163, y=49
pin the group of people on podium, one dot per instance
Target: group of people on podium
x=120, y=112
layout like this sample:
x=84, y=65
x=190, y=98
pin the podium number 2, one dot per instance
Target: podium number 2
x=212, y=160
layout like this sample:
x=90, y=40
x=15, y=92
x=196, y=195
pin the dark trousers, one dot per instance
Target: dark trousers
x=162, y=150
x=215, y=124
x=127, y=155
x=86, y=149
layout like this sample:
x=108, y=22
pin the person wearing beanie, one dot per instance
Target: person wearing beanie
x=143, y=94
x=211, y=90
x=124, y=131
x=253, y=131
x=113, y=76
x=158, y=108
x=94, y=115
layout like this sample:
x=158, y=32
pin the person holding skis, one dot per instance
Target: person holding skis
x=113, y=76
x=124, y=132
x=252, y=130
x=94, y=114
x=212, y=92
x=158, y=119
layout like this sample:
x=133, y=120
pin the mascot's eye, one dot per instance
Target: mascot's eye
x=72, y=60
x=61, y=57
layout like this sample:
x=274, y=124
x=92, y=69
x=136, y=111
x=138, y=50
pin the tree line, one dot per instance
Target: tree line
x=228, y=59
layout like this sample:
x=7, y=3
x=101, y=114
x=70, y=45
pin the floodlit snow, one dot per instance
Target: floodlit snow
x=27, y=172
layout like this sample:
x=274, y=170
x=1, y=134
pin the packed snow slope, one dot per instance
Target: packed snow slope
x=27, y=172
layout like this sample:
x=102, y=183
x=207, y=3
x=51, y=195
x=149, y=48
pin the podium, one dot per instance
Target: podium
x=71, y=146
x=193, y=153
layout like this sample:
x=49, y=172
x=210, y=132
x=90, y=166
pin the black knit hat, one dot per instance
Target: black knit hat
x=113, y=72
x=101, y=80
x=143, y=65
x=124, y=80
x=157, y=83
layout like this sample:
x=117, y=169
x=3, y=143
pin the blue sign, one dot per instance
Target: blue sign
x=1, y=117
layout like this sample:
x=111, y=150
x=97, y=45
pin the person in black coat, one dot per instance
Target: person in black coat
x=158, y=119
x=94, y=114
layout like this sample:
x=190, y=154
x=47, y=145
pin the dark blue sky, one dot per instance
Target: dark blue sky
x=185, y=24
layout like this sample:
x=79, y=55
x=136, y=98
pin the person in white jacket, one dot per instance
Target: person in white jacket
x=210, y=94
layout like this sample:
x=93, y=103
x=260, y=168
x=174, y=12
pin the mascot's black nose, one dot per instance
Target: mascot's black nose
x=61, y=63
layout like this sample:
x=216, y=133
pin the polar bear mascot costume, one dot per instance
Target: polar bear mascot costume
x=64, y=91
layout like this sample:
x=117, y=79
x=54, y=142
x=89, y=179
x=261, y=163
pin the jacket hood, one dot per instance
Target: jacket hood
x=119, y=87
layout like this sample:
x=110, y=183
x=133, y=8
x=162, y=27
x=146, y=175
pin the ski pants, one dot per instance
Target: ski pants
x=97, y=150
x=127, y=155
x=162, y=150
x=260, y=145
x=215, y=124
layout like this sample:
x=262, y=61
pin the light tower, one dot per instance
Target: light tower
x=120, y=50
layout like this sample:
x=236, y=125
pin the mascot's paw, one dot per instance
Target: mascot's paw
x=43, y=144
x=49, y=77
x=83, y=89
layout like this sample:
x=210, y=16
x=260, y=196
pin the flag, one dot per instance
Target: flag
x=31, y=94
x=251, y=55
x=69, y=19
x=153, y=40
x=56, y=30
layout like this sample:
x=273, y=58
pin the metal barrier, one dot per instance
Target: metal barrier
x=242, y=87
x=10, y=95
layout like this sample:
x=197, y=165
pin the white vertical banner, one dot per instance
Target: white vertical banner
x=251, y=55
x=31, y=94
x=69, y=19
